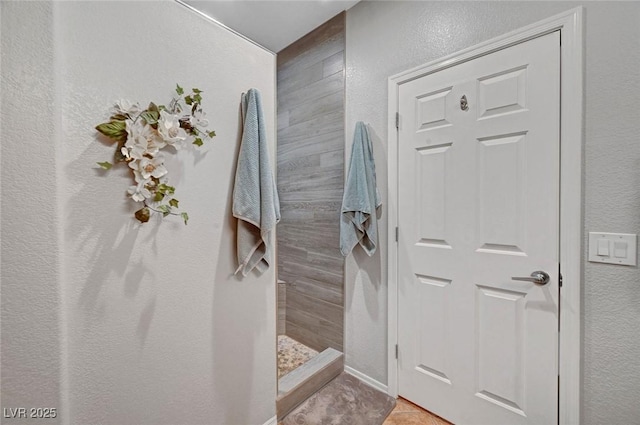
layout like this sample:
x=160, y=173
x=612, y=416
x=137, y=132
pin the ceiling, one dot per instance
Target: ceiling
x=272, y=24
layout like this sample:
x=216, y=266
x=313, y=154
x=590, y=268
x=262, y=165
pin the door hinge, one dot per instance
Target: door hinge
x=560, y=279
x=397, y=231
x=397, y=120
x=396, y=351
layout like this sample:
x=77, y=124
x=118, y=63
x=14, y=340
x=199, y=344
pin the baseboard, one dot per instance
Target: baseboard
x=272, y=421
x=367, y=379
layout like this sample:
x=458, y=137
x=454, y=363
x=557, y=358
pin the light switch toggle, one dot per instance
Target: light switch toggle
x=613, y=248
x=603, y=247
x=620, y=249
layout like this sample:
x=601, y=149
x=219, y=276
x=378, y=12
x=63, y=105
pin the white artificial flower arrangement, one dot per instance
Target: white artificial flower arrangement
x=142, y=134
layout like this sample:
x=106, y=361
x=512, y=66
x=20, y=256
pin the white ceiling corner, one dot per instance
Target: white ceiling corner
x=273, y=24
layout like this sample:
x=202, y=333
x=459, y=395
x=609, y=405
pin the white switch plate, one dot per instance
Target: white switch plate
x=616, y=244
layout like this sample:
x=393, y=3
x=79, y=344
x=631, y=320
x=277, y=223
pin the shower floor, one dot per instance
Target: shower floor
x=292, y=354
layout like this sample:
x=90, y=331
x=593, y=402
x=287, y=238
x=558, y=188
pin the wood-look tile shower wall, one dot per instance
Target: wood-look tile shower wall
x=310, y=183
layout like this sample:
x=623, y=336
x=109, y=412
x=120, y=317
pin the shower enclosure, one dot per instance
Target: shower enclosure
x=310, y=176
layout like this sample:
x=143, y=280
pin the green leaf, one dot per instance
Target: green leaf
x=185, y=217
x=212, y=134
x=158, y=197
x=152, y=107
x=143, y=215
x=198, y=142
x=165, y=210
x=105, y=165
x=188, y=100
x=173, y=203
x=166, y=189
x=196, y=91
x=179, y=90
x=115, y=129
x=151, y=117
x=197, y=98
x=118, y=117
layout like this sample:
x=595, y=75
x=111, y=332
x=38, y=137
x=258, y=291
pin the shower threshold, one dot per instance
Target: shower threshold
x=299, y=384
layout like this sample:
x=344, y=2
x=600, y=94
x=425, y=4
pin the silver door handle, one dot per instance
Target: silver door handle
x=538, y=277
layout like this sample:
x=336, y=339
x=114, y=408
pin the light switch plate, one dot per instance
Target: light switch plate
x=617, y=244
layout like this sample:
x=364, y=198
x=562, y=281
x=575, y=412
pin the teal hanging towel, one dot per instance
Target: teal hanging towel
x=361, y=199
x=255, y=198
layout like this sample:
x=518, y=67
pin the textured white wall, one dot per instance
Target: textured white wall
x=384, y=38
x=154, y=328
x=31, y=367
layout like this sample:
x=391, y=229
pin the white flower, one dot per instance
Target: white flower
x=141, y=139
x=198, y=119
x=169, y=128
x=127, y=107
x=136, y=145
x=149, y=167
x=139, y=192
x=137, y=176
x=153, y=138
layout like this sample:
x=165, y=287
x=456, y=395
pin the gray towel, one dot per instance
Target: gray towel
x=361, y=199
x=255, y=198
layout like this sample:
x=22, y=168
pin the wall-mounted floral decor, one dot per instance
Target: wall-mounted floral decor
x=142, y=134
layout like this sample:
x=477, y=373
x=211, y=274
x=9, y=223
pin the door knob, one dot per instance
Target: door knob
x=538, y=277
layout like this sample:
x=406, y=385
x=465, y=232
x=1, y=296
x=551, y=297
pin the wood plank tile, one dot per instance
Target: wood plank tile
x=320, y=290
x=328, y=311
x=322, y=327
x=301, y=146
x=319, y=241
x=325, y=49
x=331, y=331
x=333, y=27
x=321, y=258
x=291, y=99
x=298, y=80
x=309, y=169
x=317, y=106
x=296, y=215
x=326, y=195
x=290, y=148
x=315, y=206
x=311, y=339
x=322, y=243
x=310, y=184
x=333, y=159
x=291, y=270
x=303, y=269
x=297, y=165
x=283, y=119
x=315, y=239
x=332, y=64
x=315, y=244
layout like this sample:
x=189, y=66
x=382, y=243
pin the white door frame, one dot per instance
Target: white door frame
x=570, y=25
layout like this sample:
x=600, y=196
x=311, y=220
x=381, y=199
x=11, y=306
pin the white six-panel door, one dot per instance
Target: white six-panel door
x=478, y=204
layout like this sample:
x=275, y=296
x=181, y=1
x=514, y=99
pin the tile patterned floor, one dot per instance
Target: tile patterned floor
x=407, y=413
x=292, y=354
